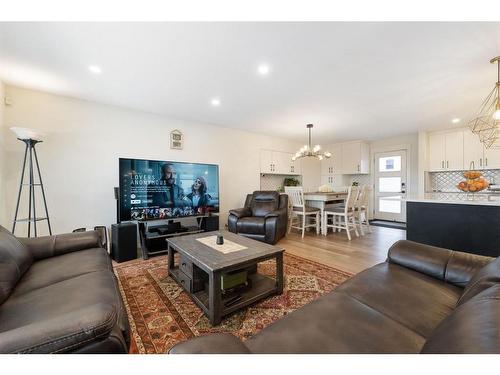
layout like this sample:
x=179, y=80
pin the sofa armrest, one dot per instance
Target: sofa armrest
x=219, y=343
x=282, y=212
x=241, y=212
x=61, y=334
x=454, y=267
x=49, y=246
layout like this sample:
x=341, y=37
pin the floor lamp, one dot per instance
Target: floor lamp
x=30, y=138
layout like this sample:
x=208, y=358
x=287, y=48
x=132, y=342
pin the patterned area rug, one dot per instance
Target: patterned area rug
x=161, y=314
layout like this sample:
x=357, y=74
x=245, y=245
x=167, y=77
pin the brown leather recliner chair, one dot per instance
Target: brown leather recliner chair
x=264, y=217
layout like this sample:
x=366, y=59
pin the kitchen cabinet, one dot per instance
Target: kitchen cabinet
x=278, y=162
x=437, y=153
x=482, y=157
x=266, y=161
x=295, y=166
x=327, y=180
x=332, y=165
x=446, y=151
x=355, y=158
x=454, y=147
x=491, y=158
x=473, y=150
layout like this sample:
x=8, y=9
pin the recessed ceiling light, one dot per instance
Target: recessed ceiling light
x=455, y=120
x=215, y=102
x=95, y=69
x=263, y=69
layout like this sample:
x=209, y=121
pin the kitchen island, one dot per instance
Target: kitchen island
x=455, y=221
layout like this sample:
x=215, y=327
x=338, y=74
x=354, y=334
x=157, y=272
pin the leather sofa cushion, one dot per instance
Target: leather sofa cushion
x=335, y=323
x=15, y=260
x=264, y=202
x=471, y=328
x=454, y=267
x=62, y=333
x=219, y=343
x=251, y=225
x=485, y=278
x=53, y=270
x=385, y=309
x=68, y=296
x=413, y=299
x=49, y=246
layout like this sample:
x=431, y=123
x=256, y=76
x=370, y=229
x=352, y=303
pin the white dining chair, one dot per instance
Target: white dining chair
x=362, y=210
x=301, y=212
x=343, y=217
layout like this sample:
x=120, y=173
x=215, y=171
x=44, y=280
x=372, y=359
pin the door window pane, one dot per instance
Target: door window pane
x=390, y=204
x=389, y=164
x=389, y=184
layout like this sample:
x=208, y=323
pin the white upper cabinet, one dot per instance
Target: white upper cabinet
x=454, y=147
x=437, y=153
x=457, y=149
x=277, y=162
x=491, y=158
x=446, y=151
x=266, y=161
x=295, y=166
x=355, y=158
x=333, y=165
x=473, y=150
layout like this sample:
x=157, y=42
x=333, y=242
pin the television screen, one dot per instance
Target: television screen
x=153, y=190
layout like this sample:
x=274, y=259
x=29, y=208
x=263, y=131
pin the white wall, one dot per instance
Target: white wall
x=79, y=158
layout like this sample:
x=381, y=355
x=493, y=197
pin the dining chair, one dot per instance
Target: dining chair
x=300, y=211
x=343, y=217
x=362, y=210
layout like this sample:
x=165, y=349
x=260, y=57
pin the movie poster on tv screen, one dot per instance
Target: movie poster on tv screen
x=154, y=190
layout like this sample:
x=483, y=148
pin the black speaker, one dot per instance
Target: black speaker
x=209, y=223
x=123, y=242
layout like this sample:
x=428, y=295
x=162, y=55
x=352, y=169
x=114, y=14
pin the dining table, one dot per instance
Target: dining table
x=321, y=199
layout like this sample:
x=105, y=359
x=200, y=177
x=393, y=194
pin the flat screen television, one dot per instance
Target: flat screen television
x=154, y=190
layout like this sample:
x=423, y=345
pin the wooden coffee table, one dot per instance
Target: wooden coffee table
x=201, y=262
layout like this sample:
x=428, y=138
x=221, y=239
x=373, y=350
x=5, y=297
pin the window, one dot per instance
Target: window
x=390, y=204
x=389, y=164
x=389, y=184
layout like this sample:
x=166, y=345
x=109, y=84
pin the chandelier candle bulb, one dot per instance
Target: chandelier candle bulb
x=310, y=151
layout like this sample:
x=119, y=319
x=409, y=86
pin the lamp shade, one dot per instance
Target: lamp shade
x=25, y=133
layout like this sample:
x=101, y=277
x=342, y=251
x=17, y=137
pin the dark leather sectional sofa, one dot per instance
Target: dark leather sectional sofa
x=58, y=294
x=264, y=217
x=423, y=299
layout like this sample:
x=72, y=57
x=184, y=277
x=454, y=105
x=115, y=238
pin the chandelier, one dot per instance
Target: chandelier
x=487, y=123
x=309, y=151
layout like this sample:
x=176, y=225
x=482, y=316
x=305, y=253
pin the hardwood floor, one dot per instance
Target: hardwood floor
x=335, y=250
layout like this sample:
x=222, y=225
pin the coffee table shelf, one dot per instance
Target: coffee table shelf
x=262, y=286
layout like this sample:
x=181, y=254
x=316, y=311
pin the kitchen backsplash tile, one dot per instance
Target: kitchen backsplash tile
x=448, y=181
x=273, y=181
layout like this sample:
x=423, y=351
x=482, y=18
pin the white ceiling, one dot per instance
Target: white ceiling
x=352, y=80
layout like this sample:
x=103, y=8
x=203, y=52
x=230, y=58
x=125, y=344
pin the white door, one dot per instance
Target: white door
x=390, y=185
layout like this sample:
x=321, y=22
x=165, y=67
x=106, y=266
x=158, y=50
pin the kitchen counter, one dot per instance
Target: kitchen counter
x=486, y=199
x=455, y=222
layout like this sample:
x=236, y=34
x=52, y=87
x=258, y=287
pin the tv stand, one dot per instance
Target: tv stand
x=154, y=234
